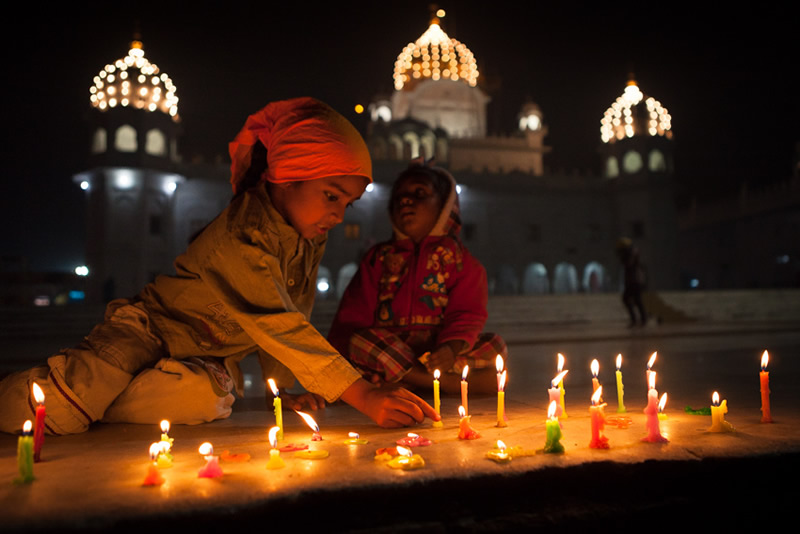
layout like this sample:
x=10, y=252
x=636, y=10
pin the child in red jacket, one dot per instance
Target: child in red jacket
x=418, y=301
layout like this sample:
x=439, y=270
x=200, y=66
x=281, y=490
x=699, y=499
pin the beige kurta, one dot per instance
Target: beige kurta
x=246, y=284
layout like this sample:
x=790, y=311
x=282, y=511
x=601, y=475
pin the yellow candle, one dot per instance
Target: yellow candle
x=501, y=401
x=275, y=460
x=661, y=404
x=499, y=454
x=278, y=408
x=620, y=386
x=406, y=460
x=437, y=401
x=718, y=411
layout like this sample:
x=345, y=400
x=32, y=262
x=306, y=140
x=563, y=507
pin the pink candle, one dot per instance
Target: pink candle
x=38, y=431
x=154, y=477
x=212, y=468
x=652, y=424
x=464, y=388
x=597, y=412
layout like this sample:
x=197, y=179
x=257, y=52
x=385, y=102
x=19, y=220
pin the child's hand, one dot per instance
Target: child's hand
x=389, y=406
x=442, y=358
x=312, y=401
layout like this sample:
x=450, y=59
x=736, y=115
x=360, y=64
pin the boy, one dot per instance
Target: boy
x=246, y=283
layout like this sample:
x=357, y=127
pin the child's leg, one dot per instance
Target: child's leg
x=81, y=382
x=379, y=351
x=190, y=391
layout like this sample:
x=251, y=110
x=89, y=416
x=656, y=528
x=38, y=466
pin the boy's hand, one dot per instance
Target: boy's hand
x=444, y=357
x=311, y=401
x=389, y=406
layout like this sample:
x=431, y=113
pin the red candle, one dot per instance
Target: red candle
x=652, y=424
x=766, y=417
x=154, y=477
x=212, y=468
x=38, y=432
x=597, y=411
x=465, y=431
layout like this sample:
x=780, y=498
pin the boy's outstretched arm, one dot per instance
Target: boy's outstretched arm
x=390, y=407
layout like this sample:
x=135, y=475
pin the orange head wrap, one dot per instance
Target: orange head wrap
x=305, y=140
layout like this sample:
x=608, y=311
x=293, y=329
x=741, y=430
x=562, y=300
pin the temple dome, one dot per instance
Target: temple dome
x=435, y=56
x=134, y=82
x=635, y=113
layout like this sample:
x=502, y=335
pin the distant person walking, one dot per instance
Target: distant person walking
x=635, y=281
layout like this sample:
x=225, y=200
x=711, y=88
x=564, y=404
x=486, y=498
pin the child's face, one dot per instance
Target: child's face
x=415, y=207
x=315, y=206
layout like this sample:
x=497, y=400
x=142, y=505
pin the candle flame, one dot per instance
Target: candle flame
x=597, y=394
x=273, y=436
x=437, y=374
x=715, y=399
x=413, y=435
x=206, y=449
x=38, y=394
x=273, y=387
x=464, y=372
x=551, y=410
x=404, y=451
x=353, y=435
x=561, y=361
x=461, y=411
x=651, y=380
x=502, y=385
x=155, y=450
x=26, y=426
x=662, y=402
x=558, y=378
x=595, y=366
x=652, y=360
x=309, y=421
x=619, y=361
x=500, y=445
x=498, y=364
x=764, y=360
x=165, y=426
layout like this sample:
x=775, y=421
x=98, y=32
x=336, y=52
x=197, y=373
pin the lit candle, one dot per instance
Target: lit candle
x=718, y=411
x=652, y=424
x=766, y=417
x=595, y=367
x=464, y=388
x=153, y=477
x=661, y=404
x=437, y=401
x=552, y=442
x=650, y=363
x=597, y=412
x=620, y=387
x=275, y=460
x=555, y=393
x=38, y=429
x=25, y=454
x=315, y=435
x=465, y=431
x=499, y=454
x=354, y=439
x=501, y=401
x=406, y=460
x=278, y=408
x=165, y=446
x=212, y=468
x=414, y=440
x=563, y=409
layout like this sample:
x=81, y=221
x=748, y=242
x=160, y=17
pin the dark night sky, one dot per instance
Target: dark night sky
x=725, y=77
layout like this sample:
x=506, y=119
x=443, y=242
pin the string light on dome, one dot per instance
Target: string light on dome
x=621, y=119
x=435, y=55
x=140, y=82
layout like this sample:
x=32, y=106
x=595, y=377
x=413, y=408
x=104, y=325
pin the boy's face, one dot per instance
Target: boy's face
x=415, y=207
x=315, y=206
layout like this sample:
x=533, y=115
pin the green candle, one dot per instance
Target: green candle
x=25, y=454
x=553, y=440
